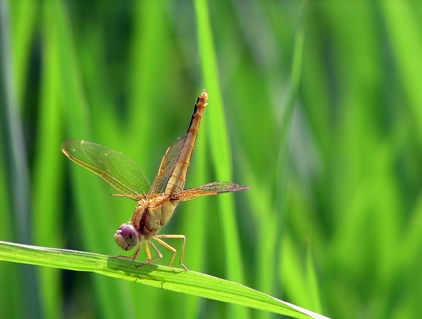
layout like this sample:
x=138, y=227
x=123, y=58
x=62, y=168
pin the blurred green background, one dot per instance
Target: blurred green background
x=332, y=161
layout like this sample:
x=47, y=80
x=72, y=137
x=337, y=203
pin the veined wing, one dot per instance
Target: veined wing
x=115, y=168
x=213, y=188
x=170, y=158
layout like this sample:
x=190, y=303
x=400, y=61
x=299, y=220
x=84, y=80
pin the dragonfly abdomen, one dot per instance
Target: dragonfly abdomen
x=177, y=179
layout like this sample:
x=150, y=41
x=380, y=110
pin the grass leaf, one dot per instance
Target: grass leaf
x=163, y=277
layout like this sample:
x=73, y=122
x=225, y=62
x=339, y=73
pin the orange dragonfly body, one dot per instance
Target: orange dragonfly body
x=156, y=202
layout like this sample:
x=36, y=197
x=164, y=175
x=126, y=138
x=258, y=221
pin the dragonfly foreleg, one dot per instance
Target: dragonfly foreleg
x=138, y=248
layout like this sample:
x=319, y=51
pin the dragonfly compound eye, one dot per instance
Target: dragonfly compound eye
x=126, y=237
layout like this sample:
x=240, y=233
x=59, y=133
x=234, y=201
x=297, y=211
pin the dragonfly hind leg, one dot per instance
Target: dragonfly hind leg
x=163, y=243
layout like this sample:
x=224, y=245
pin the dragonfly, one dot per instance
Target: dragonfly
x=156, y=202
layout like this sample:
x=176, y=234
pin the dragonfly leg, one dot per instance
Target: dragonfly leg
x=182, y=237
x=148, y=253
x=138, y=247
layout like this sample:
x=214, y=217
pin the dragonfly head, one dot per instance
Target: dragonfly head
x=126, y=237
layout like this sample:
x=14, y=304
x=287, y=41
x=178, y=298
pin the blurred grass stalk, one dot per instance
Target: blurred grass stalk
x=15, y=180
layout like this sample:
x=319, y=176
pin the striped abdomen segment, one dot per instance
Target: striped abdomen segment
x=177, y=179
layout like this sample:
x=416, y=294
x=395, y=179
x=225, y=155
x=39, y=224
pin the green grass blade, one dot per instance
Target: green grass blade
x=219, y=145
x=169, y=278
x=312, y=281
x=406, y=49
x=47, y=184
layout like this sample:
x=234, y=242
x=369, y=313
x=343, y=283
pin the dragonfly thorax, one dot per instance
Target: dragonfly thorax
x=151, y=215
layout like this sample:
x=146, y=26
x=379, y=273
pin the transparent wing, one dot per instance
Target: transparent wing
x=115, y=168
x=213, y=188
x=170, y=158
